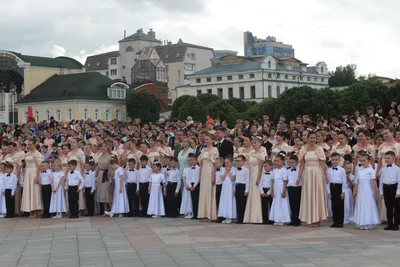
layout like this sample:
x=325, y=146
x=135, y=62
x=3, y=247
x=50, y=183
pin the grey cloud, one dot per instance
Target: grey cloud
x=170, y=6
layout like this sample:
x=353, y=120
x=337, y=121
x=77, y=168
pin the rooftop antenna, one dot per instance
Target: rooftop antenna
x=124, y=33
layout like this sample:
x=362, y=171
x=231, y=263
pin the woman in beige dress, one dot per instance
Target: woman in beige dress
x=154, y=153
x=321, y=139
x=103, y=195
x=253, y=212
x=207, y=202
x=237, y=146
x=79, y=156
x=246, y=149
x=280, y=145
x=313, y=206
x=31, y=198
x=364, y=145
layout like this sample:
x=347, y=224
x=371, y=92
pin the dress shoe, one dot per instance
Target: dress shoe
x=387, y=228
x=297, y=224
x=334, y=225
x=395, y=228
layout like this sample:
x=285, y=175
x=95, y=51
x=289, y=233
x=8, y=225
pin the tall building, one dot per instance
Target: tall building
x=254, y=46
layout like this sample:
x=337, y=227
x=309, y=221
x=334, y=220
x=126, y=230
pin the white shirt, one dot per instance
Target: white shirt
x=90, y=180
x=336, y=175
x=10, y=182
x=45, y=177
x=74, y=178
x=191, y=175
x=265, y=182
x=218, y=174
x=174, y=176
x=293, y=174
x=389, y=175
x=243, y=177
x=144, y=174
x=131, y=175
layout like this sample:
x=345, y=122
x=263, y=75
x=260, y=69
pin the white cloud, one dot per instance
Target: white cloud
x=57, y=51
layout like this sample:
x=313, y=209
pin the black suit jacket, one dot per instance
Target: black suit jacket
x=225, y=149
x=199, y=148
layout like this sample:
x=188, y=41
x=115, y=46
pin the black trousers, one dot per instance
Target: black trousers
x=10, y=204
x=144, y=197
x=218, y=189
x=89, y=201
x=73, y=198
x=195, y=200
x=266, y=203
x=46, y=197
x=392, y=204
x=294, y=193
x=241, y=200
x=133, y=199
x=337, y=203
x=172, y=201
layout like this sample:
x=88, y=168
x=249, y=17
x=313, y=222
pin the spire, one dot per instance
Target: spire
x=180, y=41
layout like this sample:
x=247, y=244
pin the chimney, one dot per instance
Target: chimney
x=124, y=34
x=151, y=34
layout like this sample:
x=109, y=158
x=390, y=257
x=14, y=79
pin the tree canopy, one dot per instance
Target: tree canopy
x=143, y=105
x=343, y=76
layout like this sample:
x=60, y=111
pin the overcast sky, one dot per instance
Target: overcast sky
x=339, y=32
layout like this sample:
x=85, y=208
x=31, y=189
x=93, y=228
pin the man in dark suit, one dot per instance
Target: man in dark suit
x=178, y=142
x=225, y=147
x=201, y=144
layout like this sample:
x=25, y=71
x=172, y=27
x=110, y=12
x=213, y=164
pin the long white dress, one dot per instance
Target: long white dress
x=348, y=202
x=120, y=204
x=3, y=209
x=57, y=202
x=280, y=208
x=366, y=214
x=227, y=202
x=156, y=202
x=186, y=203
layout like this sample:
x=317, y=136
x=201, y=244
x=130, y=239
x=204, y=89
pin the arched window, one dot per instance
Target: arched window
x=107, y=115
x=58, y=115
x=47, y=115
x=37, y=116
x=129, y=49
x=118, y=114
x=269, y=64
x=26, y=116
x=322, y=69
x=69, y=114
x=96, y=114
x=86, y=114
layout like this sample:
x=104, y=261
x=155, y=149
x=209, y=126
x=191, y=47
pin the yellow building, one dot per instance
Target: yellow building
x=75, y=97
x=32, y=71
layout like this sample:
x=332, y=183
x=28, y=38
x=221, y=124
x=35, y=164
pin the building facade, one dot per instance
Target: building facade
x=29, y=71
x=222, y=53
x=75, y=97
x=254, y=78
x=254, y=46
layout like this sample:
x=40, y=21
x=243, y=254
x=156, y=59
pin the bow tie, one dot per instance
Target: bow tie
x=143, y=167
x=164, y=167
x=8, y=174
x=168, y=169
x=87, y=173
x=359, y=165
x=71, y=172
x=293, y=170
x=131, y=170
x=334, y=168
x=389, y=165
x=267, y=173
x=43, y=171
x=239, y=168
x=218, y=169
x=193, y=168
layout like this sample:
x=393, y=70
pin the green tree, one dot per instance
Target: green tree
x=354, y=97
x=257, y=110
x=207, y=99
x=343, y=76
x=224, y=111
x=143, y=105
x=194, y=108
x=238, y=104
x=177, y=105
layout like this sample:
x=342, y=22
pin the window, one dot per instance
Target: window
x=89, y=64
x=278, y=91
x=97, y=114
x=269, y=75
x=286, y=77
x=58, y=115
x=66, y=94
x=252, y=92
x=294, y=78
x=251, y=76
x=47, y=115
x=209, y=91
x=198, y=92
x=322, y=80
x=166, y=56
x=189, y=66
x=230, y=93
x=113, y=61
x=86, y=114
x=241, y=92
x=107, y=115
x=208, y=80
x=118, y=115
x=269, y=91
x=219, y=92
x=116, y=93
x=308, y=79
x=113, y=72
x=178, y=55
x=240, y=76
x=69, y=114
x=198, y=80
x=278, y=75
x=322, y=69
x=219, y=78
x=37, y=117
x=269, y=64
x=191, y=56
x=229, y=78
x=315, y=79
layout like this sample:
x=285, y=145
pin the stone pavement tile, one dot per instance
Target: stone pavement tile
x=311, y=255
x=235, y=264
x=181, y=239
x=300, y=265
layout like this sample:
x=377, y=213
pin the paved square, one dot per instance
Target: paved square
x=136, y=242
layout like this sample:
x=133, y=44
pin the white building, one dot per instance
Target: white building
x=254, y=78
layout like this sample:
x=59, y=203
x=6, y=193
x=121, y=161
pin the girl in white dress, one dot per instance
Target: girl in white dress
x=186, y=203
x=280, y=208
x=57, y=202
x=120, y=204
x=156, y=202
x=3, y=209
x=348, y=195
x=366, y=214
x=227, y=203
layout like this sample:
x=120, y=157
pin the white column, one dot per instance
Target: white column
x=7, y=108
